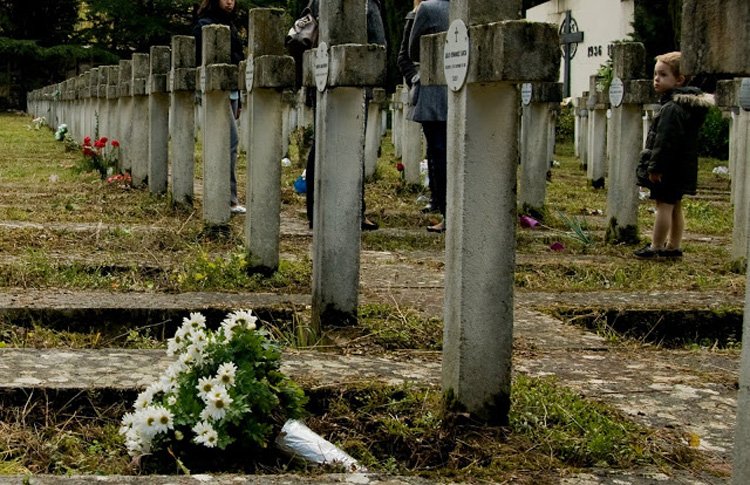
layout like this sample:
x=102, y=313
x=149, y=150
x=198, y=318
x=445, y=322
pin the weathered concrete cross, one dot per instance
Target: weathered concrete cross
x=481, y=195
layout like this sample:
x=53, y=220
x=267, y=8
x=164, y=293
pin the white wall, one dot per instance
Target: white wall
x=601, y=21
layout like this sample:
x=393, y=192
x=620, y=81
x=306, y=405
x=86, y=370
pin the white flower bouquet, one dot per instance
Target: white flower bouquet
x=224, y=387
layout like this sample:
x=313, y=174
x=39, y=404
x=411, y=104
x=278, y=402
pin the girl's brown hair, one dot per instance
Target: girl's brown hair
x=672, y=59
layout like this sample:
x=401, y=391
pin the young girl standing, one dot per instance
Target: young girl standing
x=669, y=165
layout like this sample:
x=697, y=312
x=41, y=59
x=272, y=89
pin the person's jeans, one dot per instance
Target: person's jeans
x=234, y=142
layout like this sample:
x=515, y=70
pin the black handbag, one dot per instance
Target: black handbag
x=304, y=33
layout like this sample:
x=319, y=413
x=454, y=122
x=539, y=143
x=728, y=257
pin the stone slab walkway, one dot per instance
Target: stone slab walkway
x=692, y=392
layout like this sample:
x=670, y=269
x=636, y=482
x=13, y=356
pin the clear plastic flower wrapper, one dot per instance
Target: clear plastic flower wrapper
x=298, y=440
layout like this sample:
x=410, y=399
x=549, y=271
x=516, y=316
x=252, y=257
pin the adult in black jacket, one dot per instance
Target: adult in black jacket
x=223, y=12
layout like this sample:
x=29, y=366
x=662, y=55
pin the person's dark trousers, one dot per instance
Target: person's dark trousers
x=436, y=134
x=310, y=176
x=310, y=184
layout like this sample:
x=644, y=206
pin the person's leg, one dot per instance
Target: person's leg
x=677, y=227
x=234, y=143
x=440, y=151
x=310, y=184
x=662, y=224
x=436, y=135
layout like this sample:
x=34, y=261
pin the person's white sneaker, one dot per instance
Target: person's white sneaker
x=237, y=209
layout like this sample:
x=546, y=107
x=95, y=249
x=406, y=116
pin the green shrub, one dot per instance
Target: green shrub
x=565, y=129
x=713, y=139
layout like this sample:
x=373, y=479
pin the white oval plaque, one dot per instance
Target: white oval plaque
x=321, y=67
x=249, y=74
x=609, y=114
x=616, y=92
x=456, y=55
x=745, y=94
x=526, y=91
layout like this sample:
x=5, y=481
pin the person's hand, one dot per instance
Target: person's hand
x=654, y=177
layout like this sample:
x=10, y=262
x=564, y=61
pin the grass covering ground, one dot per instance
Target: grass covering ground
x=102, y=236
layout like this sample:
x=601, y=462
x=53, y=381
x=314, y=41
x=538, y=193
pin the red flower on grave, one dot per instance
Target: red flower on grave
x=400, y=167
x=115, y=143
x=87, y=141
x=100, y=143
x=87, y=151
x=557, y=246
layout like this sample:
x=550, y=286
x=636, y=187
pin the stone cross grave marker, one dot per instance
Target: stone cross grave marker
x=482, y=162
x=339, y=158
x=627, y=112
x=217, y=78
x=268, y=72
x=536, y=99
x=119, y=119
x=158, y=117
x=704, y=45
x=182, y=119
x=139, y=120
x=596, y=167
x=728, y=98
x=582, y=126
x=373, y=133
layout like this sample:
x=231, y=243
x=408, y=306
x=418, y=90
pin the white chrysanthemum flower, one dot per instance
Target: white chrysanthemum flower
x=202, y=427
x=144, y=400
x=205, y=434
x=198, y=339
x=172, y=400
x=245, y=319
x=164, y=419
x=226, y=373
x=194, y=356
x=179, y=341
x=218, y=402
x=209, y=439
x=154, y=388
x=150, y=424
x=205, y=386
x=126, y=424
x=195, y=321
x=187, y=360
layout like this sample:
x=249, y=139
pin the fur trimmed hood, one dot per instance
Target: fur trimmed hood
x=691, y=97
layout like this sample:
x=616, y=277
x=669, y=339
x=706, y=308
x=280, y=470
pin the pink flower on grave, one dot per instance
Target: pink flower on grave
x=528, y=222
x=400, y=167
x=87, y=141
x=557, y=246
x=115, y=143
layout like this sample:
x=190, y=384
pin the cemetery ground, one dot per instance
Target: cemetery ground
x=624, y=369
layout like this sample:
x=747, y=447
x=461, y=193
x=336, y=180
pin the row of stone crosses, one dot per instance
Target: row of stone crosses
x=497, y=63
